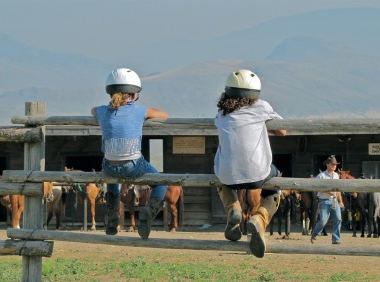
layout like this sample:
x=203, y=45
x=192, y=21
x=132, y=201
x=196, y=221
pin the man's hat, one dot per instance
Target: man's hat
x=331, y=160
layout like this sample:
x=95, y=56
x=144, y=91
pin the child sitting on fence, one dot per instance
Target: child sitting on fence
x=244, y=157
x=121, y=122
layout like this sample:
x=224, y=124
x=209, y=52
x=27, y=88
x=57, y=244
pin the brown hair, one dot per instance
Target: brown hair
x=119, y=99
x=229, y=105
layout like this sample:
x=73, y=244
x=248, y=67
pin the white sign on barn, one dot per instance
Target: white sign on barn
x=374, y=148
x=189, y=145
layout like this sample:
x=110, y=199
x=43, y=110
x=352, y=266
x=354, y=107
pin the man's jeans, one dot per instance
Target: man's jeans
x=132, y=169
x=325, y=210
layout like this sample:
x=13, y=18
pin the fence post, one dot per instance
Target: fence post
x=34, y=159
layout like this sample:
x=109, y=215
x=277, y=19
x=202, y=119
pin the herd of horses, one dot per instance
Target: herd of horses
x=362, y=208
x=55, y=198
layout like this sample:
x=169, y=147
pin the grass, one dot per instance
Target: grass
x=161, y=268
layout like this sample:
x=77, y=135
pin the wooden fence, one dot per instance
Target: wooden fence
x=30, y=242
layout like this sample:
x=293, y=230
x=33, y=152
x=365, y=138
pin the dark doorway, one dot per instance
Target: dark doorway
x=283, y=162
x=84, y=163
x=3, y=164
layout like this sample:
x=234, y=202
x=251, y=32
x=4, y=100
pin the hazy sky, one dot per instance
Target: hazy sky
x=93, y=27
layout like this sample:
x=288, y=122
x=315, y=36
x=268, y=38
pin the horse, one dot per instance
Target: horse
x=52, y=198
x=15, y=203
x=136, y=196
x=288, y=199
x=309, y=211
x=249, y=200
x=92, y=192
x=15, y=207
x=367, y=207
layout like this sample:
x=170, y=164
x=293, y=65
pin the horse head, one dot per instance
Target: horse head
x=345, y=174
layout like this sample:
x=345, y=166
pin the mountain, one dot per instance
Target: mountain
x=311, y=65
x=324, y=83
x=353, y=27
x=24, y=66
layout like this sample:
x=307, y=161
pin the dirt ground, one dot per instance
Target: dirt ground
x=309, y=264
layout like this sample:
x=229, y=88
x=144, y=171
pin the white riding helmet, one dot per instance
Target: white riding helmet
x=243, y=83
x=123, y=80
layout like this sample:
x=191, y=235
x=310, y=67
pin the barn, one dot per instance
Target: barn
x=187, y=149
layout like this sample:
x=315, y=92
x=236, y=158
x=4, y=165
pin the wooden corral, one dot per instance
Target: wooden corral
x=34, y=165
x=76, y=140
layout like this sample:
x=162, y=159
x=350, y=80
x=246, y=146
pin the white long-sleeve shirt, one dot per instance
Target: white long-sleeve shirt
x=244, y=154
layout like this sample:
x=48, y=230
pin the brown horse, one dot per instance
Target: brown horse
x=91, y=191
x=136, y=196
x=249, y=200
x=15, y=207
x=15, y=203
x=52, y=200
x=309, y=211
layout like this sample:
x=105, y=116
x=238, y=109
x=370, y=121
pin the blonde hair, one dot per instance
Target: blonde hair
x=119, y=100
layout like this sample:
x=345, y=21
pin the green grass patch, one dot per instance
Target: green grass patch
x=165, y=268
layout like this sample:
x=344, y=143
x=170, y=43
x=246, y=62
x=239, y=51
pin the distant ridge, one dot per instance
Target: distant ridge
x=320, y=64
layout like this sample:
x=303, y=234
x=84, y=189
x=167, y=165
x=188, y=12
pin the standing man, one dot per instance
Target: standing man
x=329, y=203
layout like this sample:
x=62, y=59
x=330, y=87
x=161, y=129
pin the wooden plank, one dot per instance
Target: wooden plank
x=197, y=200
x=19, y=188
x=26, y=248
x=294, y=126
x=193, y=244
x=20, y=134
x=200, y=180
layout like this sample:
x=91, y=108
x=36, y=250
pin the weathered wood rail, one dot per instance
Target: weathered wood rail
x=194, y=180
x=20, y=134
x=171, y=126
x=192, y=244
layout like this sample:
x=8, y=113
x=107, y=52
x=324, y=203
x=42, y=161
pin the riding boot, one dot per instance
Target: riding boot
x=113, y=207
x=233, y=210
x=258, y=223
x=147, y=215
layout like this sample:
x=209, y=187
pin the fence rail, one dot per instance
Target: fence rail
x=20, y=134
x=19, y=188
x=293, y=126
x=192, y=244
x=194, y=180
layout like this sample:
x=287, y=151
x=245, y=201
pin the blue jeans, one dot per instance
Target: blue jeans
x=274, y=172
x=325, y=210
x=132, y=169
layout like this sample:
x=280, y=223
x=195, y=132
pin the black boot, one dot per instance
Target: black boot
x=113, y=208
x=147, y=214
